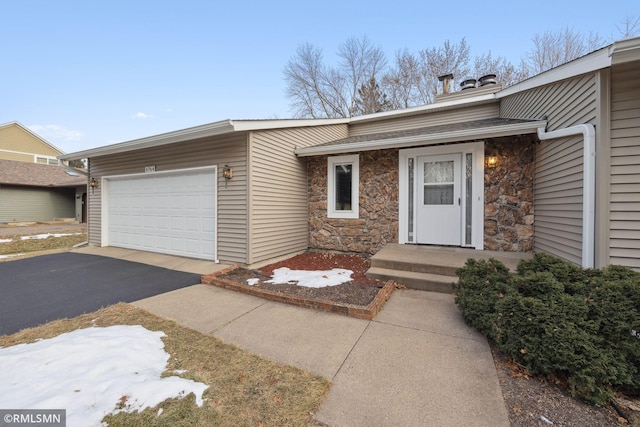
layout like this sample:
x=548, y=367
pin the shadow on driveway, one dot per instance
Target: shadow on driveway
x=37, y=290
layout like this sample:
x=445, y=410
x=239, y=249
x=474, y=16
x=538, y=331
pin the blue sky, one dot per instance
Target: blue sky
x=90, y=73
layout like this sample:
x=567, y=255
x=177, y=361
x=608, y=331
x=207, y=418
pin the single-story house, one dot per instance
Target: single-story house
x=551, y=164
x=40, y=192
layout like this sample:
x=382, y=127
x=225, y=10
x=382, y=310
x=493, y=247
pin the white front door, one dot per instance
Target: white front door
x=438, y=201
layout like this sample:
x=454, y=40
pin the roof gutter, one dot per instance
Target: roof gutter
x=588, y=183
x=211, y=129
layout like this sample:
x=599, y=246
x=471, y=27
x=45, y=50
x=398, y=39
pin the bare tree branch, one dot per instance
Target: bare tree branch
x=630, y=27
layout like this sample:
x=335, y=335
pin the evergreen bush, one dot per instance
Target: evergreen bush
x=557, y=319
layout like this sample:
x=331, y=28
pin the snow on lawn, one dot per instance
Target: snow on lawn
x=47, y=235
x=89, y=372
x=311, y=279
x=6, y=240
x=9, y=256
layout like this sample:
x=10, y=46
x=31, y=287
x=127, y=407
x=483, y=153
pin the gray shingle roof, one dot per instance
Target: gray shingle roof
x=475, y=124
x=37, y=175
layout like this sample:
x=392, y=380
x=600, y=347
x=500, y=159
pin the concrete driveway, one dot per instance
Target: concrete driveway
x=37, y=290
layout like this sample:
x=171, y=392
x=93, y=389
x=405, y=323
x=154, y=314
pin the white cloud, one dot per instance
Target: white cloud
x=141, y=115
x=57, y=132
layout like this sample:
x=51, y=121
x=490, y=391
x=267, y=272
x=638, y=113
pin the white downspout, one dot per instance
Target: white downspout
x=588, y=184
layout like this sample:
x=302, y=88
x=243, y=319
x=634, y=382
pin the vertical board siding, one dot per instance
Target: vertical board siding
x=232, y=195
x=559, y=163
x=19, y=204
x=624, y=238
x=488, y=111
x=278, y=189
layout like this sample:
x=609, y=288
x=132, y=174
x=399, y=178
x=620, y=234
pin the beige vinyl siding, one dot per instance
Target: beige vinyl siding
x=17, y=157
x=468, y=114
x=278, y=189
x=558, y=191
x=36, y=204
x=14, y=138
x=220, y=151
x=624, y=240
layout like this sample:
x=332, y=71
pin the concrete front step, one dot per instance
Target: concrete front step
x=429, y=267
x=422, y=266
x=415, y=279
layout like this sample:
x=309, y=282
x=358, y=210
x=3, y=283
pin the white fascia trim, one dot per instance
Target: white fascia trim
x=586, y=64
x=211, y=129
x=588, y=184
x=626, y=51
x=248, y=125
x=446, y=105
x=429, y=139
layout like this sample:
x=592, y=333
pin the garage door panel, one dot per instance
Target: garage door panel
x=173, y=213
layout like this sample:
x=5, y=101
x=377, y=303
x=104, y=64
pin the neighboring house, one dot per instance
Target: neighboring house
x=19, y=144
x=33, y=192
x=551, y=164
x=32, y=185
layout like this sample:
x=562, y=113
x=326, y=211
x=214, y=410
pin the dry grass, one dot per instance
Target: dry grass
x=36, y=245
x=244, y=389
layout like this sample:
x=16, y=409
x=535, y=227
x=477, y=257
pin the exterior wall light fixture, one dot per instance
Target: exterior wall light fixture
x=227, y=174
x=93, y=183
x=492, y=162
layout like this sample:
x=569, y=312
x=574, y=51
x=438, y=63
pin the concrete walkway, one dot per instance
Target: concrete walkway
x=415, y=364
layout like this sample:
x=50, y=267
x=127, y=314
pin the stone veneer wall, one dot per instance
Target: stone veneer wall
x=508, y=192
x=378, y=222
x=508, y=195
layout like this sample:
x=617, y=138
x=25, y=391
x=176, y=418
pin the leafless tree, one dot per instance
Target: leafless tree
x=320, y=91
x=506, y=73
x=450, y=58
x=401, y=81
x=361, y=82
x=551, y=49
x=630, y=27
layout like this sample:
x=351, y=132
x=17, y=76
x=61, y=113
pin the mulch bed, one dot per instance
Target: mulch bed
x=361, y=297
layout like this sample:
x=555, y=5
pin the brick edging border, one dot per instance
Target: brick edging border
x=361, y=312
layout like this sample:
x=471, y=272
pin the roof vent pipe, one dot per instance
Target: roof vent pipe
x=468, y=84
x=489, y=79
x=445, y=79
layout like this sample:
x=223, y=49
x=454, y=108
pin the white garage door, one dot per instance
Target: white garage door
x=172, y=213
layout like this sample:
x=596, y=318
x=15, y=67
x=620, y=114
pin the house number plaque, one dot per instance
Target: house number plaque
x=148, y=169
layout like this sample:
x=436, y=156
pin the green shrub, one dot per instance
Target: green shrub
x=484, y=283
x=561, y=320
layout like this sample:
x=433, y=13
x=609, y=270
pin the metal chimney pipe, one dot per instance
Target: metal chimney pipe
x=445, y=79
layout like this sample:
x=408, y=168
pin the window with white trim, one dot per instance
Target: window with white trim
x=46, y=160
x=343, y=186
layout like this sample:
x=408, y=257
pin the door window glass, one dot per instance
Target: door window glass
x=438, y=183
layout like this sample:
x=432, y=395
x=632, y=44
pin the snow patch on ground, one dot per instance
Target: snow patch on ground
x=9, y=256
x=6, y=240
x=91, y=373
x=47, y=235
x=311, y=279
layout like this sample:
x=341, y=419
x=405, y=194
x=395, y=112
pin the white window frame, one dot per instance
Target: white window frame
x=332, y=162
x=49, y=160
